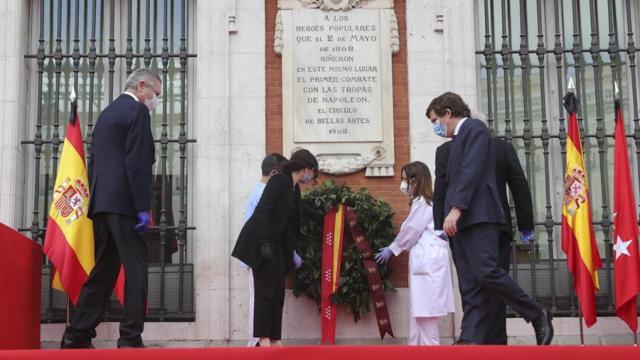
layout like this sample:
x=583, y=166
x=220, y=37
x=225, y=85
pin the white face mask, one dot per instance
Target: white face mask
x=152, y=103
x=404, y=188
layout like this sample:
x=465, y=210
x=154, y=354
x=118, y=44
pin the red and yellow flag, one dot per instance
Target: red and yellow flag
x=69, y=239
x=578, y=239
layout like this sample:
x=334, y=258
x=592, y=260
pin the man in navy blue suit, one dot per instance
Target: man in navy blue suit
x=120, y=182
x=473, y=221
x=508, y=172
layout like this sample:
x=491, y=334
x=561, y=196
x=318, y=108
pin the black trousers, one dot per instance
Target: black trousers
x=475, y=251
x=116, y=242
x=496, y=309
x=268, y=282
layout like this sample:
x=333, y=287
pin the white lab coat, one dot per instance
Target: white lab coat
x=430, y=282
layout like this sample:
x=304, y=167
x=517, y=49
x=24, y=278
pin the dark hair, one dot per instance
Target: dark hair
x=449, y=101
x=301, y=159
x=272, y=162
x=419, y=172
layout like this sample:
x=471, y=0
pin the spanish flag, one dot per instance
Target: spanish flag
x=578, y=239
x=69, y=239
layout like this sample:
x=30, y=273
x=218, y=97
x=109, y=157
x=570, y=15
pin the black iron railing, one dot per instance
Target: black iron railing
x=74, y=52
x=527, y=50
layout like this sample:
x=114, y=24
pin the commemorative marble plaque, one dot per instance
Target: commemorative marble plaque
x=337, y=82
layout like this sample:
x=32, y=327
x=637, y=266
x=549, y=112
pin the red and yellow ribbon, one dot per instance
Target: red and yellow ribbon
x=333, y=236
x=332, y=240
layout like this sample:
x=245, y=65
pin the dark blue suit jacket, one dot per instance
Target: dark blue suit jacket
x=122, y=157
x=508, y=172
x=471, y=176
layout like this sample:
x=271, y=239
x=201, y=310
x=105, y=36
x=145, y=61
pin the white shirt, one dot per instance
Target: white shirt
x=254, y=198
x=457, y=129
x=133, y=96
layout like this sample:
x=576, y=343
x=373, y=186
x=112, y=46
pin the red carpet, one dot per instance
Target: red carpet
x=344, y=352
x=20, y=264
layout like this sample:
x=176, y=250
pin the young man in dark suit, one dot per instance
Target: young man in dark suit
x=473, y=222
x=120, y=182
x=508, y=171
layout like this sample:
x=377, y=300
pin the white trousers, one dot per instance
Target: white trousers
x=424, y=331
x=252, y=340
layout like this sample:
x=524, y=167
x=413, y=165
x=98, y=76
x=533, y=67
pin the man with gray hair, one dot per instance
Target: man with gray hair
x=120, y=183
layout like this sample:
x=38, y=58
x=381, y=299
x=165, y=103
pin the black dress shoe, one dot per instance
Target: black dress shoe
x=543, y=328
x=463, y=342
x=71, y=344
x=131, y=346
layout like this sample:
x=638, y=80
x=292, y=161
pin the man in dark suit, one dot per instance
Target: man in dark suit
x=120, y=182
x=473, y=222
x=508, y=171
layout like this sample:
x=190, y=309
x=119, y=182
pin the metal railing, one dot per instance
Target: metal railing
x=527, y=49
x=74, y=51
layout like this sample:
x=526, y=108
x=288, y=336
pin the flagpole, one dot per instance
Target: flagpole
x=68, y=310
x=72, y=120
x=581, y=326
x=574, y=138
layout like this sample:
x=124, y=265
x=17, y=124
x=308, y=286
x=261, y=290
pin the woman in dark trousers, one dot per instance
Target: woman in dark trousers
x=267, y=241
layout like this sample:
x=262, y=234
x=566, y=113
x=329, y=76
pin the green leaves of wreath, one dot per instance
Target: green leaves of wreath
x=374, y=216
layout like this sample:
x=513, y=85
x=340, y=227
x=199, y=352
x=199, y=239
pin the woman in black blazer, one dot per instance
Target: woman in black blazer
x=267, y=241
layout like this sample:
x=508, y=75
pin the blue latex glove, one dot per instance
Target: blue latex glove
x=526, y=236
x=442, y=235
x=384, y=255
x=144, y=220
x=297, y=260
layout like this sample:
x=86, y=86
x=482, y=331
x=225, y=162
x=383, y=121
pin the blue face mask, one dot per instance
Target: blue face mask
x=306, y=178
x=439, y=129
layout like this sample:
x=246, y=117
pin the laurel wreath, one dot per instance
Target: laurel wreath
x=375, y=218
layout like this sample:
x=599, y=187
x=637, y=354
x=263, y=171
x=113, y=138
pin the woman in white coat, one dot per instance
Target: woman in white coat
x=430, y=283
